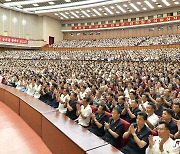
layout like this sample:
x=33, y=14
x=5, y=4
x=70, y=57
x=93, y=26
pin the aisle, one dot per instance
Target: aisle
x=16, y=137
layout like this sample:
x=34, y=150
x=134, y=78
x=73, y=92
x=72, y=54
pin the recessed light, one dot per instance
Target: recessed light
x=159, y=5
x=176, y=3
x=88, y=11
x=100, y=9
x=52, y=3
x=124, y=5
x=117, y=12
x=144, y=8
x=139, y=3
x=35, y=4
x=56, y=14
x=130, y=10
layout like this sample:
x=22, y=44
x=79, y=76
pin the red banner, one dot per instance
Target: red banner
x=140, y=22
x=13, y=40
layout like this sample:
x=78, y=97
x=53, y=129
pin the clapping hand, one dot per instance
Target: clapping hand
x=106, y=125
x=151, y=142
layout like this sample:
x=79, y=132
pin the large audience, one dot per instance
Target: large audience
x=164, y=54
x=140, y=87
x=118, y=42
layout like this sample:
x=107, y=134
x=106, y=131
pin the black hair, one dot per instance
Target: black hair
x=169, y=111
x=75, y=94
x=152, y=105
x=166, y=124
x=103, y=107
x=143, y=114
x=117, y=109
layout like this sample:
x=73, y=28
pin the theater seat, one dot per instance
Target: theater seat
x=94, y=109
x=153, y=132
x=126, y=127
x=108, y=114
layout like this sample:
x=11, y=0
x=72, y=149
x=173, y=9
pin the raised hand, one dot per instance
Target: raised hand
x=151, y=142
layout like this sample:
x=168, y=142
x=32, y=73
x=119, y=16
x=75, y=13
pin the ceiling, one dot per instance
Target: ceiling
x=87, y=9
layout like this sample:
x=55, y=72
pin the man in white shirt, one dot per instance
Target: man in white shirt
x=152, y=119
x=84, y=112
x=162, y=144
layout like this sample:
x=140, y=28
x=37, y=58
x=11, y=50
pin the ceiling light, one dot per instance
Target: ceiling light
x=20, y=6
x=154, y=0
x=166, y=2
x=52, y=3
x=159, y=5
x=108, y=10
x=112, y=7
x=176, y=3
x=4, y=17
x=82, y=16
x=144, y=8
x=8, y=0
x=85, y=13
x=96, y=12
x=62, y=18
x=15, y=20
x=77, y=11
x=125, y=5
x=94, y=15
x=24, y=22
x=67, y=1
x=149, y=4
x=120, y=8
x=100, y=9
x=64, y=15
x=88, y=11
x=134, y=6
x=72, y=17
x=105, y=14
x=35, y=4
x=139, y=3
x=130, y=10
x=74, y=14
x=56, y=14
x=117, y=12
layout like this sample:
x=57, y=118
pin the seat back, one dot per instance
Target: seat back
x=126, y=127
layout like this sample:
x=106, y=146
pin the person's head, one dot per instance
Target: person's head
x=141, y=119
x=150, y=108
x=109, y=96
x=73, y=96
x=86, y=101
x=152, y=91
x=121, y=99
x=167, y=114
x=132, y=95
x=98, y=94
x=66, y=91
x=115, y=113
x=166, y=92
x=163, y=129
x=101, y=109
x=176, y=107
x=134, y=103
x=159, y=101
x=144, y=97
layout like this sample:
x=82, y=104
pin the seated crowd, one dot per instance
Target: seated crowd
x=118, y=42
x=164, y=54
x=122, y=102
